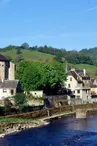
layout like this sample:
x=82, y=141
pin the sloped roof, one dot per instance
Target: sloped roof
x=9, y=84
x=2, y=58
x=73, y=73
x=81, y=73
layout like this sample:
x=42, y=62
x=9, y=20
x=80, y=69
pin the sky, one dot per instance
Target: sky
x=69, y=24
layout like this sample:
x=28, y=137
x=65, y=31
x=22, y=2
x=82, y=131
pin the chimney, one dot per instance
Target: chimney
x=84, y=71
x=2, y=80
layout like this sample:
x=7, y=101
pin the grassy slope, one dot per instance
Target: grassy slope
x=29, y=55
x=92, y=70
x=38, y=56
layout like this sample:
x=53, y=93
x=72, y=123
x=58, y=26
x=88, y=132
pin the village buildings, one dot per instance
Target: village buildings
x=82, y=86
x=8, y=84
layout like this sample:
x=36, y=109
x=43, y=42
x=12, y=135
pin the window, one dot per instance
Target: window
x=12, y=91
x=78, y=91
x=70, y=79
x=68, y=85
x=4, y=91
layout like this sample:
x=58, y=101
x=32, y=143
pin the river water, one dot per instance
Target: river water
x=61, y=132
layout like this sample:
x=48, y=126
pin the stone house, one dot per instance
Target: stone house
x=78, y=81
x=8, y=85
x=93, y=85
x=8, y=88
x=7, y=69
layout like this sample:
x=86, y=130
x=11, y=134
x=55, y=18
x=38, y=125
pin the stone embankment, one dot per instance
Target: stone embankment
x=9, y=128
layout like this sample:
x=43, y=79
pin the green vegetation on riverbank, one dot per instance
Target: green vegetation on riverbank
x=16, y=120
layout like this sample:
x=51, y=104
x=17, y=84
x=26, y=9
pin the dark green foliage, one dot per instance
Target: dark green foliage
x=76, y=58
x=20, y=99
x=58, y=58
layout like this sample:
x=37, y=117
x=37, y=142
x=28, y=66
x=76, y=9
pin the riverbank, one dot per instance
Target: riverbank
x=14, y=125
x=7, y=128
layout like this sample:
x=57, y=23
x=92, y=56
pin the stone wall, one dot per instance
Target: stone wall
x=12, y=71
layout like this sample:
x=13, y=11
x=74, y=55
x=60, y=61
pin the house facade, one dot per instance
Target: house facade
x=78, y=81
x=37, y=94
x=8, y=88
x=7, y=69
x=8, y=84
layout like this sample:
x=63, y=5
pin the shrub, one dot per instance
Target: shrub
x=20, y=99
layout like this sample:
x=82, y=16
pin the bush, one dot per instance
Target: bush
x=20, y=99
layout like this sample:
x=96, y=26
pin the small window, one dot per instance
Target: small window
x=12, y=91
x=68, y=85
x=4, y=91
x=70, y=79
x=78, y=91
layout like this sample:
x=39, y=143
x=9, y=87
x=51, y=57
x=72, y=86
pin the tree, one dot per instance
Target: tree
x=31, y=78
x=25, y=46
x=58, y=58
x=18, y=51
x=18, y=58
x=41, y=76
x=20, y=68
x=20, y=99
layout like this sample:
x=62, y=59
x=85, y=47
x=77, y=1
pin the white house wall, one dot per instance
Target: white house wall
x=12, y=71
x=72, y=83
x=7, y=94
x=37, y=93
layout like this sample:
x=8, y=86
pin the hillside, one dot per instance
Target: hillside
x=92, y=52
x=92, y=70
x=34, y=55
x=28, y=55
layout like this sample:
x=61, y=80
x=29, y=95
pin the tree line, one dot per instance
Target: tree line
x=85, y=56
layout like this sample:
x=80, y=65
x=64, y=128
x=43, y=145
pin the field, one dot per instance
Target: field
x=29, y=55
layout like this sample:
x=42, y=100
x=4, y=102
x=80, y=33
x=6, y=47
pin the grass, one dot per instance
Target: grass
x=29, y=55
x=39, y=56
x=92, y=70
x=16, y=120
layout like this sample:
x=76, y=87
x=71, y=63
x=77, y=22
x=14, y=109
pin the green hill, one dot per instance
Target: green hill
x=28, y=55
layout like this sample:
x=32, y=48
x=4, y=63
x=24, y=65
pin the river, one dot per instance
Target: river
x=61, y=132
